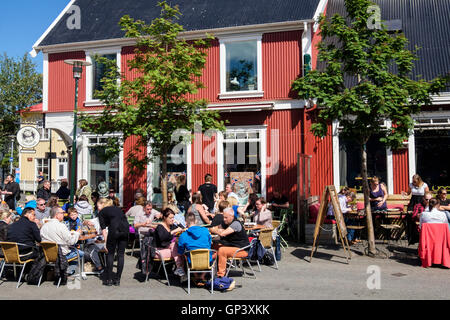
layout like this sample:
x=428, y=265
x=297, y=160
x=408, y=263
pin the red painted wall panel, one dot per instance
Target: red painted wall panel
x=321, y=150
x=61, y=84
x=401, y=170
x=204, y=159
x=288, y=124
x=132, y=179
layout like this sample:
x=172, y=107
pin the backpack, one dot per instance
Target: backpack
x=221, y=284
x=37, y=270
x=268, y=259
x=256, y=251
x=123, y=228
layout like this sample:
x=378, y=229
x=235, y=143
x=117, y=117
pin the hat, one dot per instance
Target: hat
x=31, y=204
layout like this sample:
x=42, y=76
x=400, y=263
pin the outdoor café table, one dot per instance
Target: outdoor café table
x=254, y=227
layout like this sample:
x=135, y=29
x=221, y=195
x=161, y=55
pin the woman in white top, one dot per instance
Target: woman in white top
x=417, y=190
x=433, y=215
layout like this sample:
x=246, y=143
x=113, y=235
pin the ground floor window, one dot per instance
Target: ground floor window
x=242, y=161
x=176, y=165
x=100, y=170
x=350, y=162
x=432, y=148
x=42, y=165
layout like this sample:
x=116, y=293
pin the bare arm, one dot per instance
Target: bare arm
x=203, y=213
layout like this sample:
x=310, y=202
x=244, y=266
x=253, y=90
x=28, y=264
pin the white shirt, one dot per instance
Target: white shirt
x=418, y=191
x=342, y=203
x=433, y=216
x=55, y=231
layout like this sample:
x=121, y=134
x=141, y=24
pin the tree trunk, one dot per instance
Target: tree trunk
x=164, y=179
x=365, y=184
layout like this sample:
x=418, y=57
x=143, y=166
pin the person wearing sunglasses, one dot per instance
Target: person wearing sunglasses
x=413, y=223
x=444, y=202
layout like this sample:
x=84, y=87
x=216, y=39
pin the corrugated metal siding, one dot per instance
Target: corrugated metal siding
x=61, y=84
x=199, y=167
x=321, y=151
x=288, y=124
x=131, y=178
x=425, y=23
x=401, y=170
x=281, y=52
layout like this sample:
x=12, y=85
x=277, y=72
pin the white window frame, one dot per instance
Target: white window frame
x=84, y=156
x=336, y=129
x=262, y=131
x=36, y=170
x=90, y=101
x=223, y=68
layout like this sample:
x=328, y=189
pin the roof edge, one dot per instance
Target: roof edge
x=34, y=52
x=188, y=35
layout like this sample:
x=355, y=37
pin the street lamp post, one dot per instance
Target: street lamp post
x=77, y=71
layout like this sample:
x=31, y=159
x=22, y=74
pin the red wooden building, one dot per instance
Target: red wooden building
x=267, y=125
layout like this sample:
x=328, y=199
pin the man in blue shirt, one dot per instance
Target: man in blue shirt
x=195, y=237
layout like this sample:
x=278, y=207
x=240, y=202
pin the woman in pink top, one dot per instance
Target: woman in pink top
x=262, y=215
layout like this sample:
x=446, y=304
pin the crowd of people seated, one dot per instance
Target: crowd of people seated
x=189, y=222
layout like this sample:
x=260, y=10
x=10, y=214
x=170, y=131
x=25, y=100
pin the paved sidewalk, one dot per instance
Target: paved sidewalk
x=326, y=277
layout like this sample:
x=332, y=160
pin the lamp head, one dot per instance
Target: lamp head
x=77, y=66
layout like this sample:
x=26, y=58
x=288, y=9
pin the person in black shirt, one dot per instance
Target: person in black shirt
x=218, y=218
x=63, y=192
x=116, y=237
x=232, y=238
x=443, y=201
x=165, y=240
x=209, y=192
x=25, y=231
x=278, y=202
x=44, y=192
x=182, y=194
x=12, y=190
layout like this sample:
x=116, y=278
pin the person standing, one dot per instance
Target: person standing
x=63, y=191
x=116, y=238
x=182, y=194
x=84, y=189
x=11, y=191
x=209, y=192
x=417, y=189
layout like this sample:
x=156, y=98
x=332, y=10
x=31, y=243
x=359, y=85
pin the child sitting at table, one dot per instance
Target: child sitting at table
x=73, y=222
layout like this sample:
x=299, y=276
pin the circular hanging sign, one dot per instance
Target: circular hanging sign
x=28, y=137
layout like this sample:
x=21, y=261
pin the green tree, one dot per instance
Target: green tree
x=20, y=87
x=351, y=49
x=158, y=100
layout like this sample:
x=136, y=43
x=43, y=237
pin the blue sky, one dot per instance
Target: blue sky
x=22, y=22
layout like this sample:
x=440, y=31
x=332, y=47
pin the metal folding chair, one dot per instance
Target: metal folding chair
x=265, y=237
x=162, y=262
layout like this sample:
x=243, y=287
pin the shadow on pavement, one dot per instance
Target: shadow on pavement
x=305, y=254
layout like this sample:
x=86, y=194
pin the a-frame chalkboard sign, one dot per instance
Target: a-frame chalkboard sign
x=330, y=193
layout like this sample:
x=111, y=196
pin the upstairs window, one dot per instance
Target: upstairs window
x=99, y=70
x=240, y=68
x=96, y=71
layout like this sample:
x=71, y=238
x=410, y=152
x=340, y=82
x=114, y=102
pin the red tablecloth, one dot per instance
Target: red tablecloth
x=434, y=244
